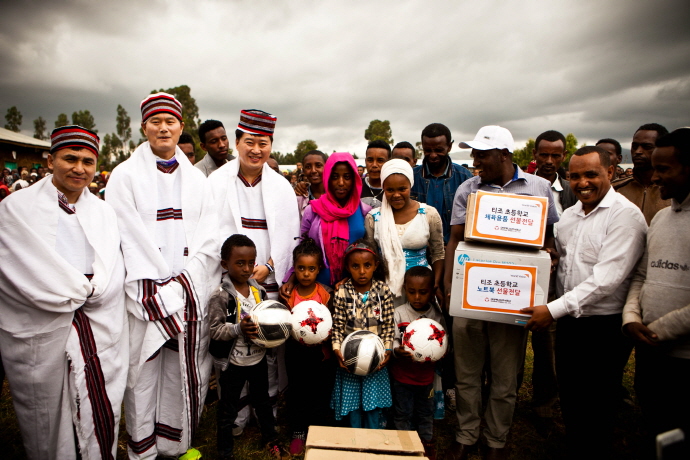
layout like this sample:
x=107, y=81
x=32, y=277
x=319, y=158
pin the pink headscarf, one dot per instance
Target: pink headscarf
x=335, y=231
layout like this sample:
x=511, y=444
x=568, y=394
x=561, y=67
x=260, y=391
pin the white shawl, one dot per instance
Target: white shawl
x=389, y=241
x=132, y=191
x=280, y=206
x=41, y=292
x=37, y=286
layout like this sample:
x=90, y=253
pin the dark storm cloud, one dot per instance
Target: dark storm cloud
x=596, y=69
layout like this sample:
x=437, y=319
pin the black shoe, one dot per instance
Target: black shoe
x=496, y=453
x=458, y=451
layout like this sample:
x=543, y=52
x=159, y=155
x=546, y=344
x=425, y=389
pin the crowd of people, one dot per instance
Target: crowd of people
x=141, y=294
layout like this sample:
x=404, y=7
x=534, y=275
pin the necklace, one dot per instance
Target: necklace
x=375, y=200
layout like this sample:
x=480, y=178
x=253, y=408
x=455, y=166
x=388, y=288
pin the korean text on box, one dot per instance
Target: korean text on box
x=506, y=218
x=493, y=283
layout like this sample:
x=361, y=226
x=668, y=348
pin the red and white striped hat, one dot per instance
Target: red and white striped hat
x=160, y=103
x=73, y=136
x=257, y=122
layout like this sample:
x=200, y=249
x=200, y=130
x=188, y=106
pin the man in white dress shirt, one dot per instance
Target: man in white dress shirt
x=600, y=240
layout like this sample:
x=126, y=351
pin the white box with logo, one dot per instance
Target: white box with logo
x=493, y=283
x=506, y=218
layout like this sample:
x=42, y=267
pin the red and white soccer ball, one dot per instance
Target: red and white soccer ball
x=273, y=321
x=311, y=322
x=425, y=339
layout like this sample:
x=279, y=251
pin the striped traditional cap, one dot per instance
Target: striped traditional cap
x=257, y=122
x=160, y=103
x=73, y=136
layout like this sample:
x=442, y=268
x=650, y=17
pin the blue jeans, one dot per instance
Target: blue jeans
x=414, y=403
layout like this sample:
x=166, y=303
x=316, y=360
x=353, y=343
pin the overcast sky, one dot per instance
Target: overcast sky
x=325, y=68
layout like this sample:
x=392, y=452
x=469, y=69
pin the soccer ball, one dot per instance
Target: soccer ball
x=362, y=352
x=273, y=321
x=311, y=322
x=425, y=339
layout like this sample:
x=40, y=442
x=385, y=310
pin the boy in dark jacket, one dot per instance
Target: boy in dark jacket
x=240, y=359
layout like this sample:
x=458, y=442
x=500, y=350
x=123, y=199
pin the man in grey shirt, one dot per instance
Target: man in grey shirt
x=492, y=151
x=657, y=311
x=214, y=141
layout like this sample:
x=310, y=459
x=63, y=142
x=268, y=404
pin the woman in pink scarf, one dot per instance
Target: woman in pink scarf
x=336, y=218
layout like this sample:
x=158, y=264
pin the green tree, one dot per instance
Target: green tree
x=40, y=129
x=116, y=147
x=123, y=125
x=62, y=120
x=106, y=152
x=279, y=157
x=570, y=148
x=84, y=119
x=379, y=130
x=14, y=119
x=523, y=156
x=303, y=148
x=419, y=150
x=112, y=153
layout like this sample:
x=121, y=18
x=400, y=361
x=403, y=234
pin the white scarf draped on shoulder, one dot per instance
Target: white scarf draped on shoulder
x=153, y=296
x=41, y=292
x=280, y=206
x=389, y=241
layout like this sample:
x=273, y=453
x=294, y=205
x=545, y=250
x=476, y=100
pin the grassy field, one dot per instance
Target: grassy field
x=525, y=442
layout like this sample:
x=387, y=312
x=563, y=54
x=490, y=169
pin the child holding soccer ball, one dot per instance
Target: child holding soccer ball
x=413, y=381
x=363, y=302
x=310, y=369
x=231, y=345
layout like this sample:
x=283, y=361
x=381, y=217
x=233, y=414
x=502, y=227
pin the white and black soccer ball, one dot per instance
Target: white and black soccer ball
x=362, y=352
x=273, y=321
x=425, y=339
x=311, y=322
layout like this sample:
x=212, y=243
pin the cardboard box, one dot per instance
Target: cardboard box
x=506, y=218
x=332, y=443
x=493, y=283
x=322, y=454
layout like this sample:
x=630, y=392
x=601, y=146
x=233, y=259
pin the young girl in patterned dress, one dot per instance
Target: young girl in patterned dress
x=363, y=302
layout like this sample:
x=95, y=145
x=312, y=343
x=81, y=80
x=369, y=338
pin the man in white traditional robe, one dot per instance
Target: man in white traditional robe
x=171, y=255
x=254, y=200
x=63, y=330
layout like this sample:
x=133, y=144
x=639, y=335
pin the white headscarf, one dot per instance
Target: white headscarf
x=389, y=241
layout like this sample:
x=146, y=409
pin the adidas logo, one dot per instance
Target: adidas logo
x=669, y=265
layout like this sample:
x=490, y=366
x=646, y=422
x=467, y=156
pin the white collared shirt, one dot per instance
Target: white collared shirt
x=599, y=252
x=556, y=189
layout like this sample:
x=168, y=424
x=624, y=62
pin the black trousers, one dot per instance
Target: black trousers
x=662, y=383
x=588, y=355
x=310, y=380
x=231, y=382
